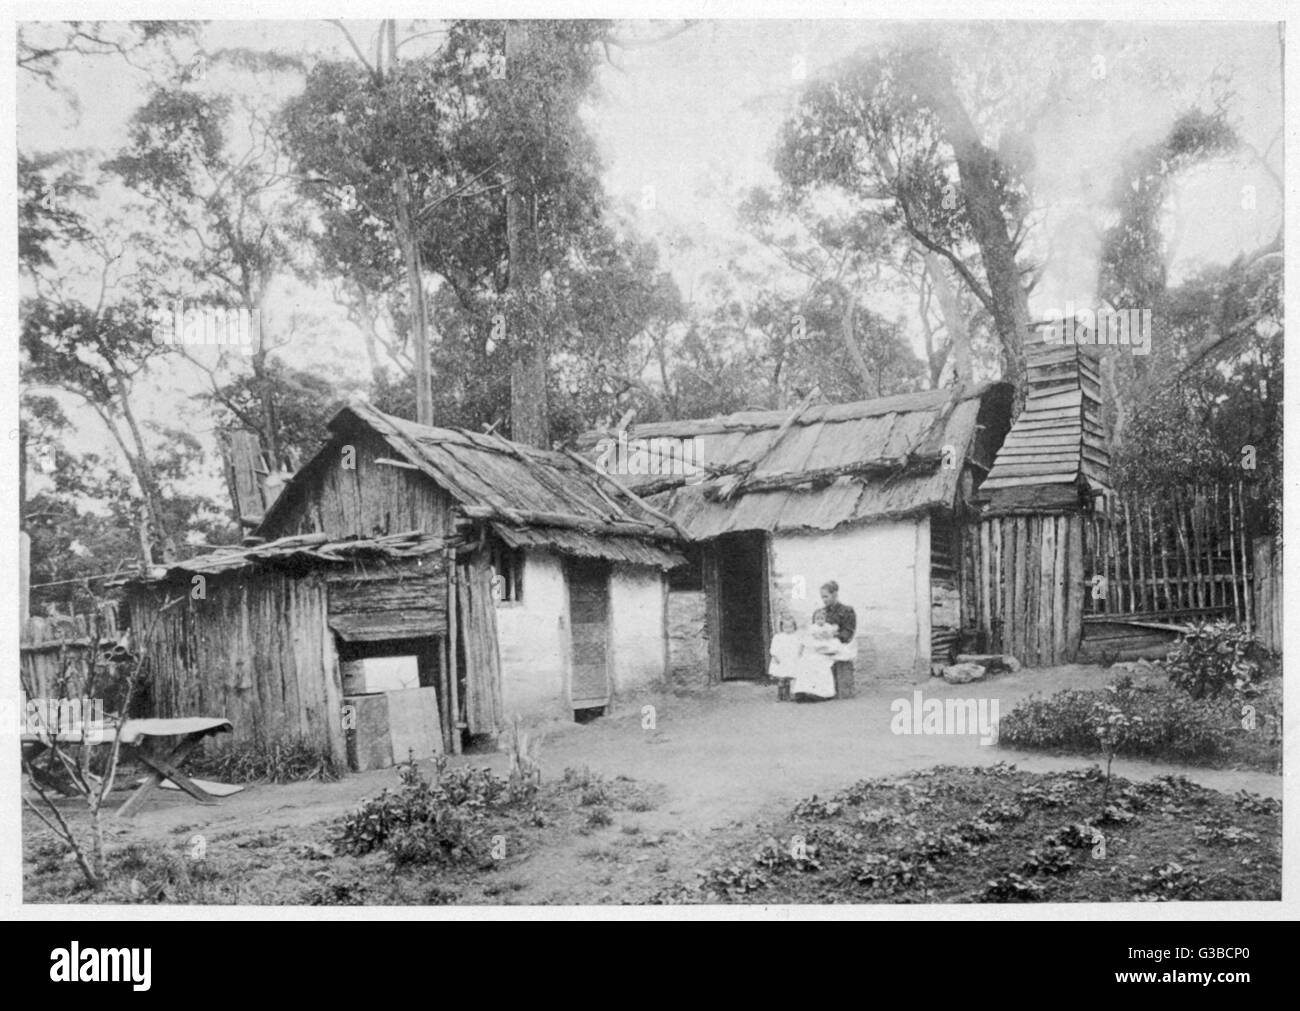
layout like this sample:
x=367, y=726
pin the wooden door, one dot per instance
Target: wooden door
x=589, y=627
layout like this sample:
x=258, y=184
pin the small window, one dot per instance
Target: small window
x=691, y=575
x=507, y=574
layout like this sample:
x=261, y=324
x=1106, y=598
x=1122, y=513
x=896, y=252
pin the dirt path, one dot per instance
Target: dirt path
x=730, y=753
x=725, y=759
x=746, y=752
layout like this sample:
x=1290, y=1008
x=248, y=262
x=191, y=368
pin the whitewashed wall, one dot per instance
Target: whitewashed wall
x=533, y=636
x=688, y=638
x=535, y=642
x=884, y=574
x=637, y=598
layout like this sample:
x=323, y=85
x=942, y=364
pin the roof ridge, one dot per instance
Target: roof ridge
x=833, y=413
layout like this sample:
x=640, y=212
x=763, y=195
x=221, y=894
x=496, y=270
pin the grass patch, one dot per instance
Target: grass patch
x=260, y=763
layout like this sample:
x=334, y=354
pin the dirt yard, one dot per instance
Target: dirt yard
x=716, y=762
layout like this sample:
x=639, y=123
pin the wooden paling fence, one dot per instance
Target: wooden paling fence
x=1187, y=555
x=1030, y=582
x=54, y=653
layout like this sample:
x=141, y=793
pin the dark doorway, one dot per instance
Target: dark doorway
x=742, y=599
x=426, y=649
x=589, y=627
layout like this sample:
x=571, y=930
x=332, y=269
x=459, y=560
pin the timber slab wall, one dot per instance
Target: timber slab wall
x=256, y=649
x=1023, y=580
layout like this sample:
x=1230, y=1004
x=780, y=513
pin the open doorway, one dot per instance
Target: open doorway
x=393, y=691
x=743, y=605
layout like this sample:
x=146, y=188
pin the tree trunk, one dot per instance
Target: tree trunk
x=529, y=414
x=1010, y=308
x=849, y=340
x=22, y=478
x=1111, y=391
x=144, y=475
x=415, y=283
x=142, y=531
x=359, y=312
x=953, y=317
x=977, y=167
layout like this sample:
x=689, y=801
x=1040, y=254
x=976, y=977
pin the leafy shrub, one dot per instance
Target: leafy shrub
x=1168, y=787
x=1012, y=887
x=889, y=873
x=814, y=808
x=423, y=822
x=1001, y=812
x=337, y=893
x=467, y=786
x=1170, y=880
x=941, y=845
x=976, y=830
x=1052, y=859
x=877, y=819
x=733, y=879
x=1224, y=835
x=1253, y=803
x=773, y=856
x=1216, y=657
x=1120, y=720
x=1080, y=835
x=591, y=787
x=1055, y=795
x=998, y=770
x=1061, y=721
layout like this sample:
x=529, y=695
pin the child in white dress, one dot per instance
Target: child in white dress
x=786, y=650
x=815, y=679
